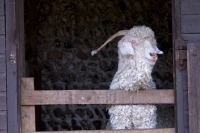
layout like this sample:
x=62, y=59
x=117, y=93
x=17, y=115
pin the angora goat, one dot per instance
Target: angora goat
x=137, y=52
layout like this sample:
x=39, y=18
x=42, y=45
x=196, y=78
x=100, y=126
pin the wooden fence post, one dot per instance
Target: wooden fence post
x=28, y=112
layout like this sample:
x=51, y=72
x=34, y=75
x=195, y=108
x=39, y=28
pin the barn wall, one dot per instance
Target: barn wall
x=190, y=31
x=190, y=20
x=3, y=108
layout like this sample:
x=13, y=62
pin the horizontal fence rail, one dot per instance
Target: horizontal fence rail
x=166, y=130
x=31, y=97
x=97, y=97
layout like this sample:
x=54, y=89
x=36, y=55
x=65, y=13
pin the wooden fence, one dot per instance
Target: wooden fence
x=30, y=98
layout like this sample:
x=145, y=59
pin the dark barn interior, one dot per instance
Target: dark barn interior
x=60, y=35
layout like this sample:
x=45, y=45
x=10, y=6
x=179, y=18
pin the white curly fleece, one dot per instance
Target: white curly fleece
x=134, y=73
x=132, y=116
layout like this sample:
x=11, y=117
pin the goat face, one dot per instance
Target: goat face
x=151, y=52
x=145, y=50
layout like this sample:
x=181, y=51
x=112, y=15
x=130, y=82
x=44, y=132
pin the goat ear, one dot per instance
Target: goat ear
x=126, y=47
x=127, y=44
x=158, y=51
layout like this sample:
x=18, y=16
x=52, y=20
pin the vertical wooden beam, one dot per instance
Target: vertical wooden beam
x=13, y=106
x=28, y=112
x=194, y=87
x=180, y=76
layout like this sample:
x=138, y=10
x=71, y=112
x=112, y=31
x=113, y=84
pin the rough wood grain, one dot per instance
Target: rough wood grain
x=190, y=24
x=28, y=112
x=2, y=43
x=164, y=130
x=97, y=97
x=2, y=101
x=2, y=25
x=194, y=87
x=2, y=81
x=3, y=120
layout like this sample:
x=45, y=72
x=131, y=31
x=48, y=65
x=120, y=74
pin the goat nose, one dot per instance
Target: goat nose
x=153, y=54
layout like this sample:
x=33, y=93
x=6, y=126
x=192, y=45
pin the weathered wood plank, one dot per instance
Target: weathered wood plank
x=179, y=74
x=2, y=81
x=1, y=7
x=3, y=131
x=2, y=101
x=97, y=97
x=28, y=112
x=2, y=43
x=2, y=25
x=190, y=24
x=194, y=87
x=164, y=130
x=190, y=2
x=28, y=118
x=3, y=120
x=190, y=9
x=191, y=37
x=2, y=67
x=12, y=82
x=2, y=58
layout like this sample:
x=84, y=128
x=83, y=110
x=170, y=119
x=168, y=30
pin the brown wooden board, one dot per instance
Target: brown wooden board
x=2, y=82
x=97, y=97
x=164, y=130
x=2, y=43
x=2, y=25
x=2, y=101
x=28, y=112
x=194, y=87
x=190, y=24
x=1, y=7
x=3, y=120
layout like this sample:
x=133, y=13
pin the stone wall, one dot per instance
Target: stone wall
x=68, y=30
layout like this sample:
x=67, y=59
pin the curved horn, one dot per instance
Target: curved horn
x=119, y=33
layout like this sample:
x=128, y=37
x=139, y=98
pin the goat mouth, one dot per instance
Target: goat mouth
x=151, y=61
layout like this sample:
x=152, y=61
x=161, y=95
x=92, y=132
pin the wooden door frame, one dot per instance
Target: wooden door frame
x=180, y=76
x=14, y=44
x=15, y=40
